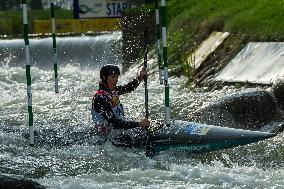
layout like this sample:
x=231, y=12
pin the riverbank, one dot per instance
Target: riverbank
x=189, y=23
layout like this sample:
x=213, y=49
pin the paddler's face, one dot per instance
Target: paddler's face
x=112, y=80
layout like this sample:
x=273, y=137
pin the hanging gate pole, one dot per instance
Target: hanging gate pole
x=158, y=42
x=54, y=48
x=28, y=71
x=165, y=59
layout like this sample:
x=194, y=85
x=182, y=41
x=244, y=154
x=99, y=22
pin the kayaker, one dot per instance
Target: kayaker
x=107, y=111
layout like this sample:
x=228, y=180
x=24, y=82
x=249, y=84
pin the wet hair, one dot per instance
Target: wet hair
x=108, y=70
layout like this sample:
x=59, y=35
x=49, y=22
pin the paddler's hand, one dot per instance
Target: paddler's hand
x=144, y=123
x=142, y=74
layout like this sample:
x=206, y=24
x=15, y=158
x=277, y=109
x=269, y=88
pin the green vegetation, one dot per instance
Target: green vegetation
x=12, y=24
x=190, y=21
x=262, y=18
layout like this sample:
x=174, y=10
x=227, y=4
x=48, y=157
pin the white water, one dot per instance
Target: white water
x=258, y=62
x=71, y=163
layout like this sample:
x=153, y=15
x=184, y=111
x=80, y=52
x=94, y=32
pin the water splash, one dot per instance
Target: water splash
x=62, y=160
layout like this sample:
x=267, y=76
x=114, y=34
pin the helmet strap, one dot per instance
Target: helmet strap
x=104, y=80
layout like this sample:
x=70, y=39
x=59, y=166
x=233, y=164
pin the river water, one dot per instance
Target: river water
x=65, y=159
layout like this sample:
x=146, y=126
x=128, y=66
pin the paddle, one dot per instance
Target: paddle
x=146, y=46
x=149, y=148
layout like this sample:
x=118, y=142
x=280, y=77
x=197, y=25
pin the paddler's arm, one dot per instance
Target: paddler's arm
x=144, y=123
x=131, y=86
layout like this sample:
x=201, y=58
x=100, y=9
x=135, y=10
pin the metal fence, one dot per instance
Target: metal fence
x=16, y=4
x=65, y=4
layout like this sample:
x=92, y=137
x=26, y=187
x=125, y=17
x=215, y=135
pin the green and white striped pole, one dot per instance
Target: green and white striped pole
x=54, y=48
x=158, y=46
x=165, y=59
x=28, y=71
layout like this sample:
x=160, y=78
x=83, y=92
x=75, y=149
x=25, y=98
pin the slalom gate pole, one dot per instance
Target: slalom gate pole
x=158, y=46
x=149, y=150
x=165, y=59
x=28, y=71
x=54, y=48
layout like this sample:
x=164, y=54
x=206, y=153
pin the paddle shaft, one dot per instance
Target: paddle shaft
x=146, y=80
x=146, y=45
x=149, y=149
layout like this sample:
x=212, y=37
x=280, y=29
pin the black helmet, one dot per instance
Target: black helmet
x=107, y=70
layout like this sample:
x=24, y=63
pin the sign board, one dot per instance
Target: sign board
x=106, y=16
x=102, y=8
x=78, y=25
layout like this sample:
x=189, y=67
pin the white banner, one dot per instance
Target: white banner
x=102, y=8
